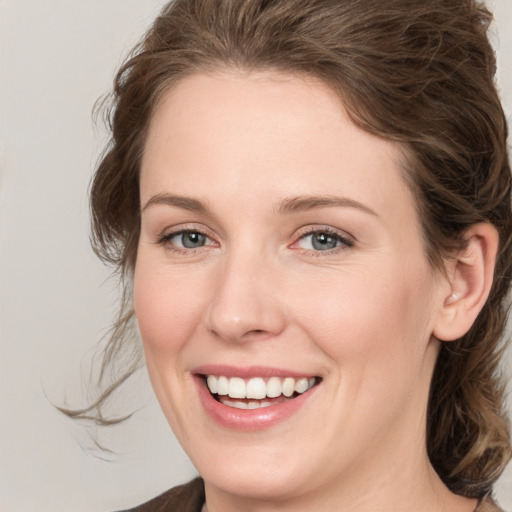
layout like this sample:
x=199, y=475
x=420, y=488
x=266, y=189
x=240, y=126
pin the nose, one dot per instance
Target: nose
x=245, y=304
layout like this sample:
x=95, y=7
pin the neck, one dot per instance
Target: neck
x=438, y=499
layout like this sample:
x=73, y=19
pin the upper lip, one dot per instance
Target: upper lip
x=246, y=372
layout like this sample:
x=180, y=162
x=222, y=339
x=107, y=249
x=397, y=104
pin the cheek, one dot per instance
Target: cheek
x=363, y=317
x=168, y=309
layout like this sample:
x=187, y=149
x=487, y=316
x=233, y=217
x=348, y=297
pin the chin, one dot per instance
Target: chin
x=263, y=471
x=262, y=482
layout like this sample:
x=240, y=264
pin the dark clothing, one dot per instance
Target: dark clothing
x=183, y=498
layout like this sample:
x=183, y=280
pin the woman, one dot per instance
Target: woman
x=310, y=203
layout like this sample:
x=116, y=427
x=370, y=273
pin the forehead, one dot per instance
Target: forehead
x=267, y=133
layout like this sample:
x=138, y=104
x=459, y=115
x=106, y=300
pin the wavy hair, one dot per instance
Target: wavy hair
x=418, y=73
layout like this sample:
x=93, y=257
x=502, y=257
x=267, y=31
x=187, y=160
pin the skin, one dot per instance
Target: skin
x=361, y=316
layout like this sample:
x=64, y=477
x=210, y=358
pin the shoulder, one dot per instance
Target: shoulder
x=183, y=498
x=487, y=505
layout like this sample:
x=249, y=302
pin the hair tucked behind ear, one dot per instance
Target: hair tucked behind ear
x=419, y=73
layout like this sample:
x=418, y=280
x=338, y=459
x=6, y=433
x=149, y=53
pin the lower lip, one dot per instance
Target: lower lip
x=249, y=419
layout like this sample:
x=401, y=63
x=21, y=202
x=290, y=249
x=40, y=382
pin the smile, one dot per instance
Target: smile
x=253, y=398
x=257, y=392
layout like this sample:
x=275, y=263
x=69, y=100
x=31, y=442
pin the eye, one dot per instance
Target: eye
x=186, y=239
x=323, y=240
x=189, y=239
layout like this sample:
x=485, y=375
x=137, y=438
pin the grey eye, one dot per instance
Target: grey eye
x=191, y=239
x=323, y=241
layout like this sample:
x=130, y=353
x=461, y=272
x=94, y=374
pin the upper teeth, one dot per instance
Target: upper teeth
x=257, y=387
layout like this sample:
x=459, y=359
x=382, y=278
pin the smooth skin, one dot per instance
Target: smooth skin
x=276, y=233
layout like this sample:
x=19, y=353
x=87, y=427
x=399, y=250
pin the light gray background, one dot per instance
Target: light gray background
x=57, y=58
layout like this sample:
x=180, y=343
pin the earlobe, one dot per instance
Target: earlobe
x=470, y=278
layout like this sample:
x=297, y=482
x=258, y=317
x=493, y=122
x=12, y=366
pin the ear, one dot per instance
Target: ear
x=470, y=275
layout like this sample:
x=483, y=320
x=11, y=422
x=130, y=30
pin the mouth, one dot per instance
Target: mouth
x=255, y=398
x=257, y=392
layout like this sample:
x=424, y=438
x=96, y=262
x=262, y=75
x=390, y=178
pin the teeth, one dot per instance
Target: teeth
x=222, y=386
x=246, y=405
x=236, y=388
x=212, y=383
x=301, y=385
x=274, y=388
x=256, y=388
x=288, y=386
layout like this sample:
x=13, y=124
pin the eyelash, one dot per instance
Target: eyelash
x=343, y=242
x=165, y=241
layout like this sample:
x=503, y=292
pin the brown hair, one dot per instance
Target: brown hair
x=420, y=73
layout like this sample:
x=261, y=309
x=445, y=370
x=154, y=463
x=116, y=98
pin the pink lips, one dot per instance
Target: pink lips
x=248, y=419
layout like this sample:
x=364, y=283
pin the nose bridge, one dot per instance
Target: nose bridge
x=244, y=305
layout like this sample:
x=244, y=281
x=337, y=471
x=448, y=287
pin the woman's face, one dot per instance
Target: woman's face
x=280, y=252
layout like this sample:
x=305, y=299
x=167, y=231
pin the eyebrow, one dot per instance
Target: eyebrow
x=187, y=203
x=304, y=203
x=289, y=205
